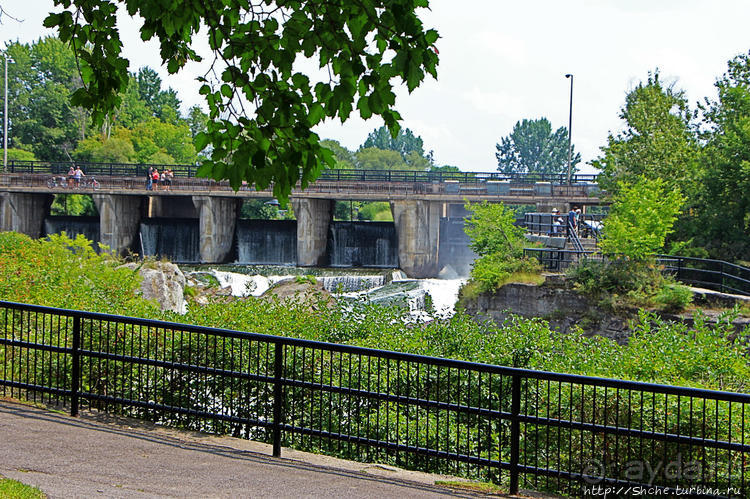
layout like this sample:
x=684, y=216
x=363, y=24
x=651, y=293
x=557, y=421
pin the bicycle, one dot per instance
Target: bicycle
x=55, y=182
x=90, y=183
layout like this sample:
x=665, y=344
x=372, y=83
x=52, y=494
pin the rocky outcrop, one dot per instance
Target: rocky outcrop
x=163, y=282
x=565, y=309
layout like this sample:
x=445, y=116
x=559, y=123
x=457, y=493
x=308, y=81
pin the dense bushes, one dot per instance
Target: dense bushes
x=66, y=273
x=69, y=274
x=622, y=283
x=499, y=244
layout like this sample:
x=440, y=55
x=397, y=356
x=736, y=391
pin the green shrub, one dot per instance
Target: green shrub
x=492, y=271
x=305, y=279
x=673, y=297
x=623, y=283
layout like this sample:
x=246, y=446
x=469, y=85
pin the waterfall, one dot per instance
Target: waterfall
x=351, y=283
x=455, y=255
x=243, y=285
x=363, y=244
x=72, y=226
x=177, y=239
x=267, y=242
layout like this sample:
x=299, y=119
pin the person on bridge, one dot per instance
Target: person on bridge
x=71, y=176
x=78, y=174
x=155, y=178
x=149, y=178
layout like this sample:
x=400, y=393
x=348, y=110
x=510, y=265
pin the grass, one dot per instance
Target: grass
x=11, y=489
x=481, y=487
x=473, y=289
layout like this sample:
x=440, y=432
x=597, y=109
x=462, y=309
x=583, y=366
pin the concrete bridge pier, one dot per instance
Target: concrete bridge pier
x=218, y=219
x=24, y=212
x=418, y=231
x=313, y=218
x=119, y=220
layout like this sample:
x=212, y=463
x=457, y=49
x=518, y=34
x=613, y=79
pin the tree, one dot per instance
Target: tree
x=499, y=244
x=404, y=142
x=41, y=117
x=722, y=222
x=445, y=169
x=642, y=215
x=196, y=120
x=533, y=148
x=658, y=140
x=344, y=159
x=262, y=109
x=372, y=158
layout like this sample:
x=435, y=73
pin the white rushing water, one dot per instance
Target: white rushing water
x=243, y=285
x=414, y=293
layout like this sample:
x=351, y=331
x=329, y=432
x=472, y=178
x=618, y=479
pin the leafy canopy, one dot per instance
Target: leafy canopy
x=533, y=148
x=723, y=207
x=404, y=142
x=262, y=109
x=641, y=217
x=658, y=140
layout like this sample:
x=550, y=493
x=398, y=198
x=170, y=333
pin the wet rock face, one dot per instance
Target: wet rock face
x=163, y=282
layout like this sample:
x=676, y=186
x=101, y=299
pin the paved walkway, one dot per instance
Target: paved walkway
x=106, y=456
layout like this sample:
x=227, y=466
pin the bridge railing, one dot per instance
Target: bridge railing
x=139, y=170
x=548, y=431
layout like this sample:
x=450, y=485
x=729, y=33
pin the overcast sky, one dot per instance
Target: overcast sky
x=503, y=61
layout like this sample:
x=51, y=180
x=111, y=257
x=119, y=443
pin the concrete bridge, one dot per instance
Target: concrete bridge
x=418, y=202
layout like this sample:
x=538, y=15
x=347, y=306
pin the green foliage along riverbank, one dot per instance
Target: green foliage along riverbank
x=69, y=274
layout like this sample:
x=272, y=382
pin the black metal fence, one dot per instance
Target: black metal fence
x=717, y=275
x=712, y=274
x=559, y=260
x=563, y=433
x=139, y=170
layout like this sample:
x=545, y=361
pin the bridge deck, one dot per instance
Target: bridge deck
x=323, y=189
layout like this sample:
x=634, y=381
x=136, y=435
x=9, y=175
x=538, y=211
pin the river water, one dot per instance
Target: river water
x=424, y=298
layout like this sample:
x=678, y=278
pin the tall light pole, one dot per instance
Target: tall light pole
x=570, y=123
x=5, y=116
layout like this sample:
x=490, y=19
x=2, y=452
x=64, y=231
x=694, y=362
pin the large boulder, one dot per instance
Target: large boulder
x=163, y=282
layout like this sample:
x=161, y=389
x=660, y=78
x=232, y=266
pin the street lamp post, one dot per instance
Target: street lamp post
x=570, y=123
x=5, y=116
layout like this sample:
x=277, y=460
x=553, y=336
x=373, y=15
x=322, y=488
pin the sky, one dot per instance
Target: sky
x=504, y=61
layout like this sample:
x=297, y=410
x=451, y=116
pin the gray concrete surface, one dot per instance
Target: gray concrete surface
x=106, y=456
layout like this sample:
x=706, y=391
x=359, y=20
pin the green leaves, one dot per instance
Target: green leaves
x=532, y=147
x=350, y=39
x=640, y=219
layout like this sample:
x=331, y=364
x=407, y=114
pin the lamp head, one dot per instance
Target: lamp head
x=568, y=75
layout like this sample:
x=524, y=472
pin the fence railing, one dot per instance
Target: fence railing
x=559, y=260
x=717, y=275
x=704, y=273
x=536, y=430
x=139, y=170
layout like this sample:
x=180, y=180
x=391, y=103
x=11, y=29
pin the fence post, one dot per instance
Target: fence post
x=515, y=432
x=278, y=397
x=76, y=374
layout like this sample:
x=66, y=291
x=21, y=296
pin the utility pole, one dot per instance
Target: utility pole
x=570, y=123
